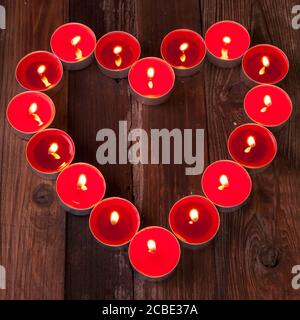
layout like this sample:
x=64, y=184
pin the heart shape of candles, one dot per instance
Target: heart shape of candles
x=153, y=252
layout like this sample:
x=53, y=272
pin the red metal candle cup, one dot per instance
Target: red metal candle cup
x=116, y=52
x=74, y=44
x=253, y=146
x=184, y=50
x=268, y=105
x=30, y=112
x=114, y=222
x=49, y=152
x=227, y=184
x=40, y=71
x=226, y=43
x=194, y=220
x=80, y=187
x=151, y=80
x=264, y=64
x=154, y=252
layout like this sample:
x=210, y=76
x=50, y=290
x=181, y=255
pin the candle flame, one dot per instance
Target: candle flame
x=81, y=184
x=183, y=47
x=224, y=52
x=32, y=111
x=150, y=74
x=41, y=71
x=75, y=41
x=194, y=215
x=266, y=63
x=267, y=102
x=53, y=151
x=78, y=52
x=114, y=217
x=151, y=244
x=117, y=50
x=251, y=144
x=224, y=183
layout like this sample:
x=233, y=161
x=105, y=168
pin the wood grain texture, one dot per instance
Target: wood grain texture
x=256, y=248
x=98, y=102
x=32, y=225
x=259, y=244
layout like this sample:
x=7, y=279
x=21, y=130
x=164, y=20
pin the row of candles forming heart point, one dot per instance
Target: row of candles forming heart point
x=154, y=252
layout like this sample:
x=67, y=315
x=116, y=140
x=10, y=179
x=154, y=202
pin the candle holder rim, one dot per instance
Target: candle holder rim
x=245, y=171
x=52, y=172
x=72, y=165
x=271, y=135
x=181, y=67
x=274, y=47
x=61, y=69
x=277, y=88
x=114, y=32
x=80, y=24
x=193, y=243
x=136, y=231
x=152, y=96
x=233, y=22
x=179, y=252
x=52, y=106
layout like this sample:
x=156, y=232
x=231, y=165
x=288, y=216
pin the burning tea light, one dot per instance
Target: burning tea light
x=30, y=112
x=145, y=80
x=49, y=152
x=116, y=52
x=227, y=184
x=252, y=145
x=184, y=50
x=268, y=105
x=114, y=222
x=80, y=187
x=264, y=64
x=40, y=71
x=154, y=252
x=74, y=44
x=226, y=42
x=194, y=220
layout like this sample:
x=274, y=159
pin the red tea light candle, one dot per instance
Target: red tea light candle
x=114, y=222
x=80, y=186
x=154, y=252
x=49, y=152
x=268, y=105
x=194, y=220
x=226, y=42
x=184, y=50
x=264, y=64
x=253, y=146
x=116, y=52
x=227, y=184
x=145, y=80
x=40, y=71
x=74, y=44
x=30, y=112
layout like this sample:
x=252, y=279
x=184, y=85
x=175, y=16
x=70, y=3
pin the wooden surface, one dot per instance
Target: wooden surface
x=51, y=255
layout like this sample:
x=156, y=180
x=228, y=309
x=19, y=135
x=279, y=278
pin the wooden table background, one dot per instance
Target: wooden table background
x=51, y=255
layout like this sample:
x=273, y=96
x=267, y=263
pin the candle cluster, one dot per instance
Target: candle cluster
x=154, y=252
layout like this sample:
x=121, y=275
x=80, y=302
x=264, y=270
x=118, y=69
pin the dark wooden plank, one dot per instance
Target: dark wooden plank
x=98, y=102
x=258, y=245
x=158, y=187
x=32, y=225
